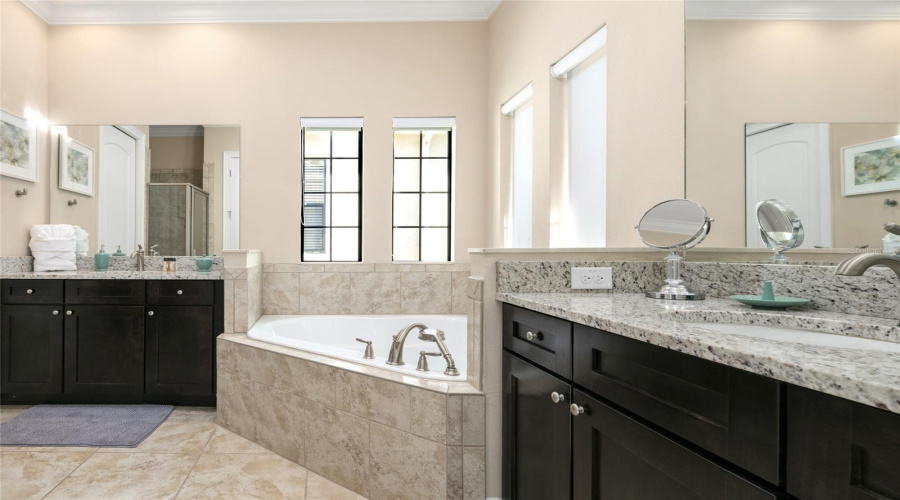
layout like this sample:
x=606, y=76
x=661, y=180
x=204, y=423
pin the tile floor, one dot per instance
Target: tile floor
x=188, y=456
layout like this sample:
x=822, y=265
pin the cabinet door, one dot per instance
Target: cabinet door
x=536, y=433
x=840, y=449
x=104, y=350
x=616, y=457
x=180, y=342
x=32, y=349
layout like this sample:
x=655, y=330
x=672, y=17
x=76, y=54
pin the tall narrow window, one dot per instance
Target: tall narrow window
x=520, y=109
x=331, y=228
x=422, y=189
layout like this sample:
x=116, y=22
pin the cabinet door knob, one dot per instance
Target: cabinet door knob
x=557, y=397
x=179, y=292
x=68, y=313
x=533, y=336
x=150, y=313
x=576, y=410
x=56, y=312
x=29, y=291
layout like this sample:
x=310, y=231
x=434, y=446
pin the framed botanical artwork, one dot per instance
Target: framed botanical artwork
x=18, y=148
x=873, y=167
x=76, y=166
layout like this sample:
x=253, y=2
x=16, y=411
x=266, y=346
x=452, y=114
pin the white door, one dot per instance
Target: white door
x=117, y=204
x=791, y=163
x=231, y=206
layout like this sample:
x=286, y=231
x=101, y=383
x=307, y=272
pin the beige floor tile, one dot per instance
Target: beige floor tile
x=225, y=441
x=88, y=449
x=319, y=488
x=192, y=414
x=33, y=474
x=173, y=437
x=9, y=411
x=245, y=476
x=125, y=476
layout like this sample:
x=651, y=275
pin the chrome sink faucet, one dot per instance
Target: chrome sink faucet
x=857, y=265
x=138, y=256
x=395, y=357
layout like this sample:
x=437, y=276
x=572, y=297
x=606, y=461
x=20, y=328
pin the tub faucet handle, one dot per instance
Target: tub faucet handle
x=370, y=354
x=422, y=365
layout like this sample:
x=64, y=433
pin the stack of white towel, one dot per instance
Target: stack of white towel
x=53, y=247
x=81, y=241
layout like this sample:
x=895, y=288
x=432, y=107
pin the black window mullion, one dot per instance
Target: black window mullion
x=449, y=191
x=421, y=144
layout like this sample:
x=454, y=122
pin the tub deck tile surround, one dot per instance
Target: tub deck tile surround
x=425, y=293
x=319, y=293
x=243, y=289
x=382, y=434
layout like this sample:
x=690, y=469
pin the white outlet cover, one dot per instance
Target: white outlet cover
x=592, y=278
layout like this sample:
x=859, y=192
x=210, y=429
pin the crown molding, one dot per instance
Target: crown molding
x=257, y=11
x=793, y=10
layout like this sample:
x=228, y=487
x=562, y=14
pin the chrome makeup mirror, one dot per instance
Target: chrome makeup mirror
x=674, y=225
x=779, y=227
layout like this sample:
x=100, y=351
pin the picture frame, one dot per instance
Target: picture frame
x=18, y=148
x=871, y=167
x=76, y=166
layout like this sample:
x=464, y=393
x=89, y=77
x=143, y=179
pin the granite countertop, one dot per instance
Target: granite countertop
x=113, y=275
x=865, y=376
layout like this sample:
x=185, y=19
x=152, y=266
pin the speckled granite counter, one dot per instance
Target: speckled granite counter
x=113, y=275
x=869, y=377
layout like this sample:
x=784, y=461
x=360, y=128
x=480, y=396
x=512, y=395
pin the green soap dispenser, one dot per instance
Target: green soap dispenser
x=101, y=259
x=119, y=252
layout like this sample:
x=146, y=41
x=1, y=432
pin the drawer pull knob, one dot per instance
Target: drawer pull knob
x=56, y=312
x=179, y=292
x=29, y=291
x=576, y=410
x=533, y=336
x=68, y=313
x=557, y=397
x=150, y=313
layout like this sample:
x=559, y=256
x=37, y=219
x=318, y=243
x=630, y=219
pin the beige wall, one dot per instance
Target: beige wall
x=177, y=153
x=857, y=219
x=216, y=141
x=24, y=39
x=645, y=113
x=83, y=214
x=777, y=71
x=265, y=78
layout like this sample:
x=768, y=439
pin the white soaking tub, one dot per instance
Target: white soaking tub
x=335, y=336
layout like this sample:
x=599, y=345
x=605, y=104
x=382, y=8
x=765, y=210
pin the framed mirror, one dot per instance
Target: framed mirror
x=174, y=189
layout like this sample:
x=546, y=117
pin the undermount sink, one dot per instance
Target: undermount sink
x=800, y=336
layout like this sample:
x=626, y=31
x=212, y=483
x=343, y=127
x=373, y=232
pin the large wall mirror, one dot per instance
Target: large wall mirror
x=173, y=189
x=805, y=111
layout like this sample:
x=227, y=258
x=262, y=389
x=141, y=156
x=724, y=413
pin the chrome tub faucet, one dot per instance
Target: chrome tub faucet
x=395, y=357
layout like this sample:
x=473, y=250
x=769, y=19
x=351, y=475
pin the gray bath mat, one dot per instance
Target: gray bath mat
x=83, y=425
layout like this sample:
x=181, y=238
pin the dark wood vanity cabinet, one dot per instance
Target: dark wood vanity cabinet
x=109, y=341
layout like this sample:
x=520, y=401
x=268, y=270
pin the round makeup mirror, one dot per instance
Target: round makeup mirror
x=673, y=225
x=779, y=227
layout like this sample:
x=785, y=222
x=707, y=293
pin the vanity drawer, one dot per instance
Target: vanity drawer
x=180, y=292
x=105, y=292
x=32, y=292
x=732, y=413
x=541, y=339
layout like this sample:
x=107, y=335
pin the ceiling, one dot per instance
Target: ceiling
x=839, y=10
x=257, y=11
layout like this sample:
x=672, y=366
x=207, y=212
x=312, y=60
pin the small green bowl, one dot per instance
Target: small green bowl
x=776, y=303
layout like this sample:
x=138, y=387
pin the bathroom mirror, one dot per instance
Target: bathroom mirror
x=170, y=188
x=673, y=225
x=779, y=228
x=806, y=111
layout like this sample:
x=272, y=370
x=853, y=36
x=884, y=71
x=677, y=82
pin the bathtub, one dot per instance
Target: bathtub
x=335, y=336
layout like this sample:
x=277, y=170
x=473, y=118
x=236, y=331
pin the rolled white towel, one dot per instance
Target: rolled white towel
x=81, y=241
x=52, y=231
x=53, y=247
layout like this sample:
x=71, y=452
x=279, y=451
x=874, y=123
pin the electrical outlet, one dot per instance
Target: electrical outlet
x=592, y=278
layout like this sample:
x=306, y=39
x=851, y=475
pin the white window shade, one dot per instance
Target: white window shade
x=523, y=175
x=424, y=123
x=509, y=107
x=332, y=123
x=580, y=53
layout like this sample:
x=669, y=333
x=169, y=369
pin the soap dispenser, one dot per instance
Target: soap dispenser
x=119, y=252
x=101, y=259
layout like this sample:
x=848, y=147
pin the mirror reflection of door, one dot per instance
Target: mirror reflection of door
x=791, y=163
x=231, y=213
x=117, y=219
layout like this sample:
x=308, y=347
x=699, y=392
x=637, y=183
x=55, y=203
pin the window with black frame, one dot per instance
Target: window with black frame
x=331, y=229
x=422, y=195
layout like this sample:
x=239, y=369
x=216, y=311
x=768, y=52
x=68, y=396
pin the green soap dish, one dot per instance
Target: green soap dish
x=769, y=300
x=773, y=303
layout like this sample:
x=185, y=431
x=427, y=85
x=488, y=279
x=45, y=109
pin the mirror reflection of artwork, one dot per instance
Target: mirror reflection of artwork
x=18, y=148
x=76, y=162
x=873, y=167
